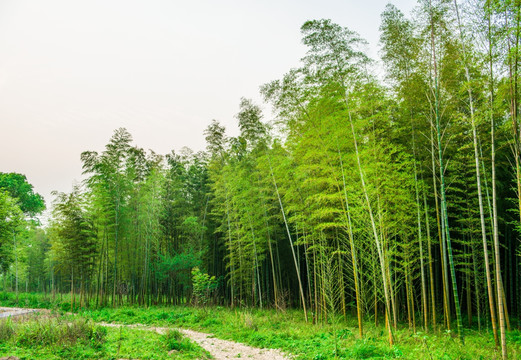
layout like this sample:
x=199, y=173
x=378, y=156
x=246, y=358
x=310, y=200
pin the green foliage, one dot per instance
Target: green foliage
x=20, y=189
x=36, y=301
x=11, y=218
x=203, y=287
x=72, y=234
x=52, y=332
x=6, y=330
x=288, y=331
x=250, y=116
x=178, y=265
x=345, y=203
x=366, y=349
x=176, y=341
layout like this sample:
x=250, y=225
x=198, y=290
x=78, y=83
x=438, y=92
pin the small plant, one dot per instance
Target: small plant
x=203, y=287
x=98, y=337
x=249, y=322
x=176, y=341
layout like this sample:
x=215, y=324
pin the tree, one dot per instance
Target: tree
x=333, y=57
x=73, y=239
x=434, y=14
x=19, y=188
x=109, y=185
x=472, y=110
x=11, y=217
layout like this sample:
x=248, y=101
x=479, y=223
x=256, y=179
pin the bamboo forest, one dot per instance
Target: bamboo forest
x=376, y=200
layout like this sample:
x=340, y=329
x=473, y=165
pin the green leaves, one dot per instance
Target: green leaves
x=333, y=53
x=203, y=286
x=72, y=234
x=18, y=187
x=11, y=217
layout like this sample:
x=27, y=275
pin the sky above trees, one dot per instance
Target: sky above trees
x=72, y=72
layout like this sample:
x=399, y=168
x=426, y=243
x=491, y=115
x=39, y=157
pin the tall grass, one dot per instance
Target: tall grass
x=73, y=337
x=52, y=331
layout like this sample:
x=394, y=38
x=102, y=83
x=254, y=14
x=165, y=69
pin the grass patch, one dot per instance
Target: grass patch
x=176, y=341
x=39, y=301
x=288, y=331
x=52, y=338
x=135, y=343
x=80, y=338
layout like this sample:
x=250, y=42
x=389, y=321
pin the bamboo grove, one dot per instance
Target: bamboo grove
x=395, y=198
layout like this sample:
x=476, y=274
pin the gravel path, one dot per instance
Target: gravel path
x=219, y=349
x=8, y=311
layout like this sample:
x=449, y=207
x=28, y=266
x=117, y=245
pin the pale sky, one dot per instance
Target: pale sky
x=72, y=71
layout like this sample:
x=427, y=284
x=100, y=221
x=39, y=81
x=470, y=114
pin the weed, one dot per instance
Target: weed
x=249, y=321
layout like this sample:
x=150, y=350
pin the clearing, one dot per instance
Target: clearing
x=218, y=348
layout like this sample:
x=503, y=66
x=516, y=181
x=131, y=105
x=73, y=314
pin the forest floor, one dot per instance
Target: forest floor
x=217, y=348
x=333, y=338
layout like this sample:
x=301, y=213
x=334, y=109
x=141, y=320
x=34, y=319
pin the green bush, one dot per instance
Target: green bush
x=203, y=287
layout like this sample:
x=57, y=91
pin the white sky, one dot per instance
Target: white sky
x=72, y=71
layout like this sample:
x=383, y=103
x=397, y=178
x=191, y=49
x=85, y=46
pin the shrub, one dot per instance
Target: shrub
x=203, y=286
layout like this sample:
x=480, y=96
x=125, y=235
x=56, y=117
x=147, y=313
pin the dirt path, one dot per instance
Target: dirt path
x=8, y=311
x=219, y=349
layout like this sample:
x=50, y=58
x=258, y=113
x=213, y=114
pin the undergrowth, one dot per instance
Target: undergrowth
x=288, y=331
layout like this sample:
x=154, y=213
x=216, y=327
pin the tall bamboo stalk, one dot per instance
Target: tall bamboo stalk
x=445, y=217
x=420, y=240
x=353, y=251
x=501, y=312
x=301, y=290
x=375, y=232
x=478, y=175
x=441, y=238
